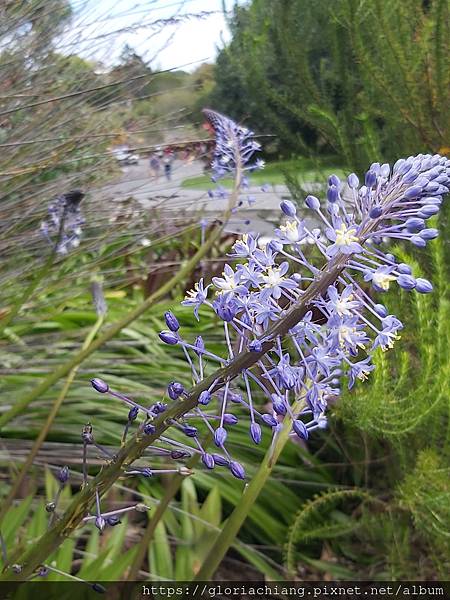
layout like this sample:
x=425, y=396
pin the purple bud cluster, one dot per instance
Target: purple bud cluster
x=233, y=154
x=63, y=226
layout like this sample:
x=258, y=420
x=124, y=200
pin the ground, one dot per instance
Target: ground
x=179, y=194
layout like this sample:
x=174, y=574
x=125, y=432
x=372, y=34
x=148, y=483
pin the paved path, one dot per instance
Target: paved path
x=169, y=196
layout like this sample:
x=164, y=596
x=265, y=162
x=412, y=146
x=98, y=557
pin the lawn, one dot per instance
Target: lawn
x=274, y=173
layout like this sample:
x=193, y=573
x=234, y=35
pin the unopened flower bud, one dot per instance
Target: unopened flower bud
x=312, y=202
x=171, y=321
x=370, y=179
x=189, y=430
x=63, y=475
x=179, y=454
x=220, y=435
x=269, y=420
x=407, y=282
x=278, y=404
x=208, y=460
x=199, y=346
x=423, y=286
x=175, y=390
x=230, y=419
x=404, y=269
x=168, y=337
x=220, y=461
x=255, y=432
x=133, y=413
x=237, y=470
x=288, y=208
x=99, y=385
x=149, y=429
x=300, y=429
x=100, y=523
x=204, y=397
x=255, y=346
x=353, y=181
x=332, y=194
x=184, y=471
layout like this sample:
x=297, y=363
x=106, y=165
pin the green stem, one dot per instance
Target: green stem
x=48, y=423
x=234, y=522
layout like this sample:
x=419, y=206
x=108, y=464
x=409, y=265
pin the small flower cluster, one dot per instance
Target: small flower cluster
x=233, y=153
x=63, y=227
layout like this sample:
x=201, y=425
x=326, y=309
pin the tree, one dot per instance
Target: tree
x=320, y=77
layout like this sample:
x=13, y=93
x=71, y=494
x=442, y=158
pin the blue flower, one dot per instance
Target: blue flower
x=196, y=297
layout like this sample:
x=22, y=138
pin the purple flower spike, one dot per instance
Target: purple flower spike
x=99, y=385
x=220, y=435
x=171, y=321
x=113, y=520
x=255, y=433
x=208, y=460
x=300, y=429
x=237, y=470
x=168, y=337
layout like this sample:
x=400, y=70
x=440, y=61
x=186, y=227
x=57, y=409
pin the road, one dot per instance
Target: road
x=170, y=197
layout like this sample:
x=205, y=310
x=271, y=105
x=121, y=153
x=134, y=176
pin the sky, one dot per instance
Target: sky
x=100, y=29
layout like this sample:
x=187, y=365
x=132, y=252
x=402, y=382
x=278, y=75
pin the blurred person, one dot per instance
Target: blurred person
x=168, y=167
x=155, y=166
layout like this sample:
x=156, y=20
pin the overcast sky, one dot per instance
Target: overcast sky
x=100, y=28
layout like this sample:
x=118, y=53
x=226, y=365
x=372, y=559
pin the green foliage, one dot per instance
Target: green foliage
x=345, y=75
x=425, y=494
x=319, y=519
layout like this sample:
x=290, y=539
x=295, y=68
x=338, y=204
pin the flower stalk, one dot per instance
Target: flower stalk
x=226, y=537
